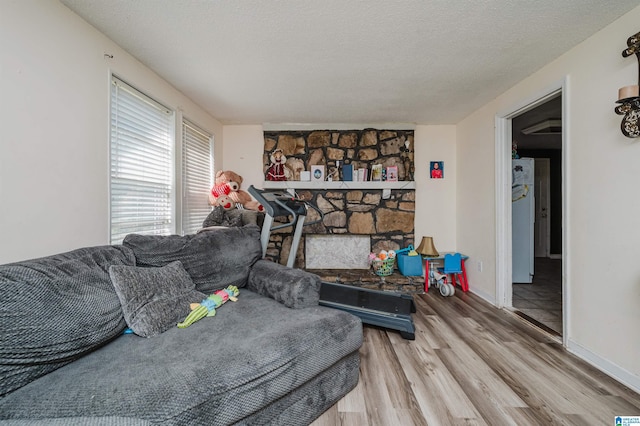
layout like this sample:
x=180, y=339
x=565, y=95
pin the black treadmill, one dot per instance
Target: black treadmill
x=373, y=307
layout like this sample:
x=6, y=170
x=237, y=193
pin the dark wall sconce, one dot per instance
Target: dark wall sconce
x=628, y=96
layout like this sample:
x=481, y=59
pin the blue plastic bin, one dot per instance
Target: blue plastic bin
x=409, y=265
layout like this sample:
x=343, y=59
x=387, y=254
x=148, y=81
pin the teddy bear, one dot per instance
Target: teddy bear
x=238, y=197
x=221, y=194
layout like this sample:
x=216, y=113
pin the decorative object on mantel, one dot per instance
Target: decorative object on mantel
x=427, y=248
x=317, y=173
x=277, y=171
x=392, y=174
x=347, y=173
x=376, y=173
x=629, y=96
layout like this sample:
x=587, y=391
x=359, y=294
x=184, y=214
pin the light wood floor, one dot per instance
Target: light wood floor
x=474, y=364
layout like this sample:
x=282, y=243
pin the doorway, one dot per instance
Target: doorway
x=542, y=224
x=537, y=130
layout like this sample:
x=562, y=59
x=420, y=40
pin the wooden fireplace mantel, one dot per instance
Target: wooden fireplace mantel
x=344, y=185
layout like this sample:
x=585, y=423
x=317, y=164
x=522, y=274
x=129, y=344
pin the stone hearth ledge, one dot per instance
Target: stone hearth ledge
x=366, y=278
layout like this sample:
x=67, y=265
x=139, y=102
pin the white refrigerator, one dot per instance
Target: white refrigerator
x=523, y=218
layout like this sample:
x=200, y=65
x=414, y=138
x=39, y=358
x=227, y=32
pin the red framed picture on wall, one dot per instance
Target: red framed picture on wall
x=436, y=170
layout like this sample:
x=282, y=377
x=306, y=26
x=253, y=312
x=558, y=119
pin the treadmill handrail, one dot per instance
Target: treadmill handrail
x=259, y=195
x=290, y=210
x=265, y=203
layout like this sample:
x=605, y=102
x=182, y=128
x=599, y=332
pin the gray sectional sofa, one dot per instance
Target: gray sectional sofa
x=272, y=357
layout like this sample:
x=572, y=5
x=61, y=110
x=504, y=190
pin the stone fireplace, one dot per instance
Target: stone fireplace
x=358, y=217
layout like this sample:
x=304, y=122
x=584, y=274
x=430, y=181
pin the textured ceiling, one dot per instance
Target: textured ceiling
x=339, y=61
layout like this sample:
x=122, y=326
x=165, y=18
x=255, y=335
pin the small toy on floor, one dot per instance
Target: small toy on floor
x=207, y=308
x=440, y=280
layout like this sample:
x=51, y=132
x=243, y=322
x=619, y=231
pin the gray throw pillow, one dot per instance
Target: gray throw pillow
x=154, y=299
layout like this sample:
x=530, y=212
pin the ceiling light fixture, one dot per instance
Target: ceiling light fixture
x=628, y=96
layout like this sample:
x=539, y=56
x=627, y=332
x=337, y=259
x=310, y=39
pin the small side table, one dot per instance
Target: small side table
x=430, y=260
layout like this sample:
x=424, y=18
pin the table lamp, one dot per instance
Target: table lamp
x=426, y=247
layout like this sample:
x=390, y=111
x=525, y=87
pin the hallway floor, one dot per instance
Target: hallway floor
x=541, y=301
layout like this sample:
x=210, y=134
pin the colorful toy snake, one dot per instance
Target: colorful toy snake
x=207, y=308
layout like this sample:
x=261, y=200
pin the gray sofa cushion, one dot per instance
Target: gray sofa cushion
x=154, y=299
x=220, y=370
x=219, y=217
x=234, y=217
x=55, y=309
x=214, y=259
x=294, y=288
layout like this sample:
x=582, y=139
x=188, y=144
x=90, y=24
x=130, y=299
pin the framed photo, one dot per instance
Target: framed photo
x=436, y=170
x=392, y=174
x=317, y=173
x=376, y=172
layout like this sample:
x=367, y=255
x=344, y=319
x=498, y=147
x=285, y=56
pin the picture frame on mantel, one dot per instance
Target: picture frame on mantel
x=392, y=173
x=317, y=173
x=376, y=172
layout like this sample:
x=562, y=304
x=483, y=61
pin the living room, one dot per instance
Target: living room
x=56, y=71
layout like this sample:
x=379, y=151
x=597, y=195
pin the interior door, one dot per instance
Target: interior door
x=542, y=227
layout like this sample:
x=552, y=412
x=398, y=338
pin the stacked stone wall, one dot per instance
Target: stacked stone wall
x=359, y=148
x=389, y=222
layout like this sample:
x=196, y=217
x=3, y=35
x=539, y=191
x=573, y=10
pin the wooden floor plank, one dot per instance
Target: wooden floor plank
x=433, y=388
x=487, y=392
x=473, y=364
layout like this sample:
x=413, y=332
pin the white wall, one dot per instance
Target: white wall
x=54, y=127
x=435, y=198
x=243, y=149
x=602, y=203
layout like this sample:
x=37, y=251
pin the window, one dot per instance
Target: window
x=197, y=170
x=141, y=163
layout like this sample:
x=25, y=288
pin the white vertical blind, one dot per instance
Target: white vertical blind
x=197, y=170
x=141, y=164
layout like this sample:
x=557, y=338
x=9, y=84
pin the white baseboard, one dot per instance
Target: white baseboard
x=620, y=374
x=486, y=296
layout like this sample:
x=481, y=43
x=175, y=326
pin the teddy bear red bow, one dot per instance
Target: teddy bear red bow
x=220, y=194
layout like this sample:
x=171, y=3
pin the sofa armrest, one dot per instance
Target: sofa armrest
x=294, y=288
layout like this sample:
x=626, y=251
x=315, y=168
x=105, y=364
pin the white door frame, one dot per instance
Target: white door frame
x=503, y=196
